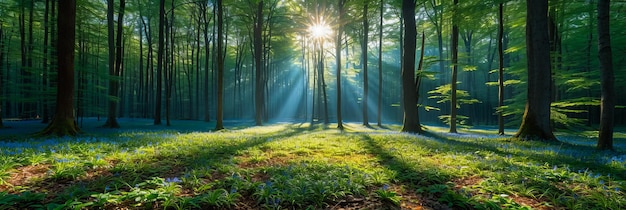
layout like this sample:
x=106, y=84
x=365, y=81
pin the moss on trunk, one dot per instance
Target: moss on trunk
x=60, y=127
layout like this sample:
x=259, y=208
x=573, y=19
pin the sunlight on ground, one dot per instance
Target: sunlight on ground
x=303, y=165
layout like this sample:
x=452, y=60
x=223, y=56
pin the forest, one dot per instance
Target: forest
x=321, y=104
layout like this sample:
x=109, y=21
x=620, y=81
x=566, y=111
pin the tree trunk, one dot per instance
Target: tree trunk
x=220, y=66
x=455, y=68
x=115, y=62
x=536, y=121
x=159, y=85
x=259, y=98
x=64, y=122
x=411, y=122
x=338, y=61
x=45, y=118
x=380, y=64
x=364, y=61
x=500, y=68
x=323, y=82
x=607, y=104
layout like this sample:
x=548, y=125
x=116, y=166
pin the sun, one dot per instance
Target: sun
x=320, y=30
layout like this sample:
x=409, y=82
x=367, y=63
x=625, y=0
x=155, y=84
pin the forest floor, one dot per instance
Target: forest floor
x=303, y=166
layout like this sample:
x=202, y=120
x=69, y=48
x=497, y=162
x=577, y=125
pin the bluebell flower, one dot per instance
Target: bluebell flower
x=107, y=188
x=601, y=182
x=617, y=189
x=233, y=190
x=385, y=187
x=173, y=180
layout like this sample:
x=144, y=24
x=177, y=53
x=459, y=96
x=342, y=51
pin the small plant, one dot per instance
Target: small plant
x=387, y=195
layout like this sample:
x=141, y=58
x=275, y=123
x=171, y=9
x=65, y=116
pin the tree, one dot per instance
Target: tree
x=115, y=61
x=63, y=122
x=364, y=61
x=411, y=122
x=160, y=52
x=455, y=67
x=380, y=64
x=607, y=78
x=500, y=68
x=220, y=66
x=259, y=102
x=338, y=45
x=536, y=120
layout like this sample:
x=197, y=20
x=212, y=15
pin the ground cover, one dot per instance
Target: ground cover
x=304, y=166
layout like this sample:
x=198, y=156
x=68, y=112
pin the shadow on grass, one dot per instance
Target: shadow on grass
x=440, y=195
x=576, y=156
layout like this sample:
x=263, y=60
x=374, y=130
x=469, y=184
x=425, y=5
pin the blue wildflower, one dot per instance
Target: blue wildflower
x=385, y=187
x=107, y=188
x=173, y=180
x=601, y=182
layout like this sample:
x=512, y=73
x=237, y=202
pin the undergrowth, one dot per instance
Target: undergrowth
x=300, y=166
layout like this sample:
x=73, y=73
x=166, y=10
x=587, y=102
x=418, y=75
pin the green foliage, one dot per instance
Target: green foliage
x=303, y=166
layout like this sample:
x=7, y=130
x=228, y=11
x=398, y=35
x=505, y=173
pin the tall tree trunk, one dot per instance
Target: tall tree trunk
x=607, y=105
x=207, y=50
x=30, y=106
x=364, y=60
x=536, y=121
x=24, y=54
x=380, y=65
x=169, y=71
x=411, y=122
x=159, y=85
x=500, y=68
x=259, y=98
x=64, y=122
x=455, y=68
x=115, y=61
x=338, y=61
x=323, y=81
x=45, y=118
x=220, y=66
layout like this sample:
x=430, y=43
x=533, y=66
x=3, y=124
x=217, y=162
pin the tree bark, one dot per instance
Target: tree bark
x=500, y=68
x=455, y=68
x=338, y=62
x=607, y=104
x=536, y=121
x=364, y=61
x=64, y=122
x=159, y=85
x=380, y=65
x=259, y=96
x=115, y=61
x=411, y=122
x=45, y=118
x=220, y=66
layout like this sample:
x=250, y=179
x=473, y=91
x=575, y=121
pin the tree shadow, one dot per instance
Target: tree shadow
x=577, y=156
x=417, y=178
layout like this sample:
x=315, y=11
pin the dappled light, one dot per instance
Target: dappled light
x=303, y=165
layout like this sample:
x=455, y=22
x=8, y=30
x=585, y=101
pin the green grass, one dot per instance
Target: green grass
x=300, y=166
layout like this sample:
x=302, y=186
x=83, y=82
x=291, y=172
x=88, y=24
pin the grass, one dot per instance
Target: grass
x=303, y=166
